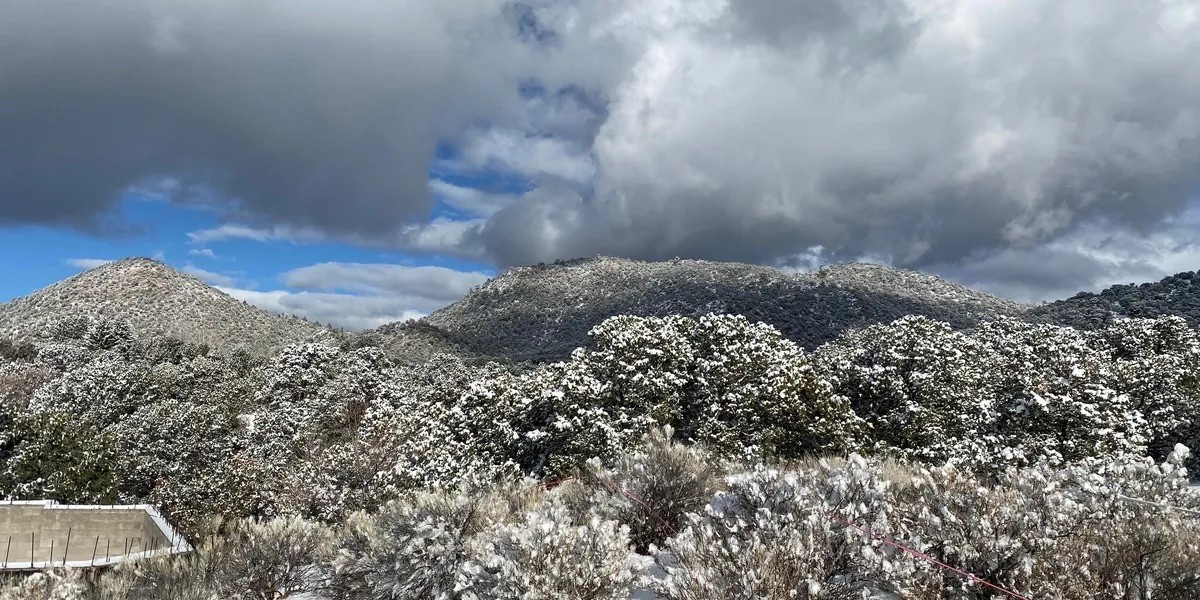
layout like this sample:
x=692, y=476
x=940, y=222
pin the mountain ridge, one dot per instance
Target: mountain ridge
x=542, y=312
x=1177, y=294
x=156, y=299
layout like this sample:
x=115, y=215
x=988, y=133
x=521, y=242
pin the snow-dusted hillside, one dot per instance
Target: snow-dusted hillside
x=1177, y=295
x=156, y=300
x=543, y=312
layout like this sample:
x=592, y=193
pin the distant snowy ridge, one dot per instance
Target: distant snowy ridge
x=543, y=312
x=156, y=300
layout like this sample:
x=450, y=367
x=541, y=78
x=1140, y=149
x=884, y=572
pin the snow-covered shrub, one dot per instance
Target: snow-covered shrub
x=298, y=405
x=1054, y=397
x=1101, y=528
x=168, y=440
x=16, y=350
x=280, y=558
x=62, y=356
x=1047, y=532
x=70, y=328
x=192, y=577
x=1157, y=365
x=447, y=423
x=109, y=334
x=1144, y=538
x=544, y=422
x=1014, y=393
x=411, y=430
x=755, y=393
x=49, y=585
x=54, y=455
x=421, y=546
x=771, y=535
x=737, y=387
x=250, y=560
x=480, y=540
x=649, y=490
x=1007, y=533
x=119, y=429
x=20, y=381
x=917, y=384
x=309, y=408
x=545, y=556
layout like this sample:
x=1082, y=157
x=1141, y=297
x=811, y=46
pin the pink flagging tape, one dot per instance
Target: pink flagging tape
x=925, y=557
x=1186, y=511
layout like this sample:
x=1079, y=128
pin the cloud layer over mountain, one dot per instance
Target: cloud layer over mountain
x=1013, y=145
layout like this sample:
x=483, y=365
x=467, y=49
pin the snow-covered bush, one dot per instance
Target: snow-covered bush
x=410, y=431
x=169, y=440
x=70, y=328
x=757, y=394
x=422, y=546
x=1101, y=528
x=649, y=490
x=1003, y=533
x=49, y=585
x=276, y=559
x=55, y=455
x=1144, y=541
x=1011, y=392
x=737, y=387
x=109, y=334
x=545, y=556
x=20, y=381
x=62, y=356
x=1054, y=398
x=550, y=420
x=481, y=540
x=16, y=350
x=250, y=560
x=1157, y=365
x=192, y=577
x=776, y=535
x=1078, y=532
x=917, y=384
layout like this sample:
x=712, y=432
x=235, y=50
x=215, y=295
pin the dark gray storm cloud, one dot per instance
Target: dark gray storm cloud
x=303, y=112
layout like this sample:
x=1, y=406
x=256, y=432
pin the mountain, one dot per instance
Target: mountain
x=156, y=300
x=543, y=312
x=411, y=342
x=1178, y=295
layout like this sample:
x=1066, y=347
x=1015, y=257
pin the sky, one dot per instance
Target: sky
x=371, y=160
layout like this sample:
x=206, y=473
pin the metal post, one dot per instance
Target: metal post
x=7, y=550
x=50, y=560
x=95, y=547
x=32, y=547
x=67, y=547
x=107, y=550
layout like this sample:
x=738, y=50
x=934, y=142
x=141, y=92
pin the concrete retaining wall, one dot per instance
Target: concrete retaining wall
x=36, y=535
